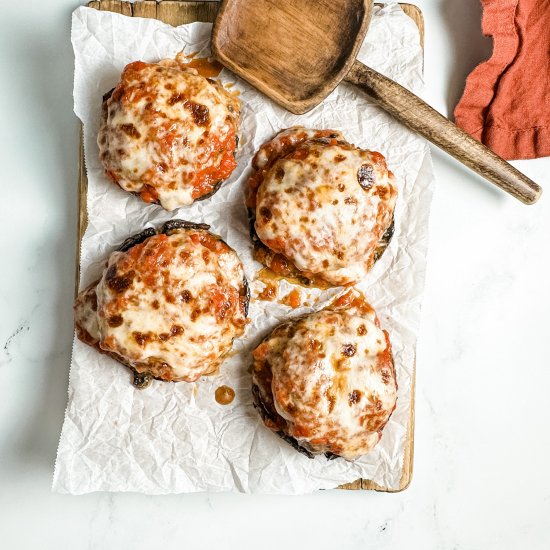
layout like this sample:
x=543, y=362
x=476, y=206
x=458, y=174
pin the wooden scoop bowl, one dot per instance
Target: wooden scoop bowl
x=297, y=51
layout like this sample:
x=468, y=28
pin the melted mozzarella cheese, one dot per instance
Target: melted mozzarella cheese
x=168, y=133
x=333, y=381
x=171, y=306
x=323, y=204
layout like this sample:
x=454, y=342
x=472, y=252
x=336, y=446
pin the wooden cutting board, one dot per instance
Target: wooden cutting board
x=180, y=12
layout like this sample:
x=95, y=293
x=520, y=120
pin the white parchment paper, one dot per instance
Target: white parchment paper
x=174, y=438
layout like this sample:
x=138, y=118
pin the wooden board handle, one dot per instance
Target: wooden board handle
x=422, y=119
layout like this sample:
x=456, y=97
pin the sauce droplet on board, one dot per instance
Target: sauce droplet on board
x=224, y=395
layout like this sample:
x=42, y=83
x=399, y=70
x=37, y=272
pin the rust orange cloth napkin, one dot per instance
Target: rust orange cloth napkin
x=506, y=102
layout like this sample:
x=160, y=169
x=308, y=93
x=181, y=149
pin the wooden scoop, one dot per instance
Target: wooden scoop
x=297, y=51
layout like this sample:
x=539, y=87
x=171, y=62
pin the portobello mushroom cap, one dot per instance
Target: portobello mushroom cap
x=321, y=210
x=168, y=305
x=325, y=382
x=168, y=134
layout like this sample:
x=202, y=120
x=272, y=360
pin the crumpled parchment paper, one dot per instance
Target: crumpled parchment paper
x=174, y=438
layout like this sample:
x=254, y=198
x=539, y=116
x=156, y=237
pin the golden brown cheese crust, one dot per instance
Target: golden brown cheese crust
x=169, y=306
x=168, y=133
x=321, y=206
x=326, y=382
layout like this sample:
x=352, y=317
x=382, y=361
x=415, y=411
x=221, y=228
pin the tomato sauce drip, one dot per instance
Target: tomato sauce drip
x=204, y=66
x=293, y=299
x=269, y=293
x=149, y=194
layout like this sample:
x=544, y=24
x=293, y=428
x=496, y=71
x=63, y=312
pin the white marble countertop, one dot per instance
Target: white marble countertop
x=480, y=479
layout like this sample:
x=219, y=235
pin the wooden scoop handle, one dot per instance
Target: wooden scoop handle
x=422, y=119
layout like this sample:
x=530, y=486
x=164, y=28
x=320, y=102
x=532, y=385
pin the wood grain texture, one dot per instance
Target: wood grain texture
x=176, y=13
x=426, y=121
x=145, y=9
x=295, y=52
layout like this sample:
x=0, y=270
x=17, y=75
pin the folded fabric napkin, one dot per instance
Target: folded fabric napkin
x=506, y=102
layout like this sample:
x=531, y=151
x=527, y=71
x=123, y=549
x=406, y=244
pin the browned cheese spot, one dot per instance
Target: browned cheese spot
x=115, y=321
x=119, y=283
x=361, y=330
x=314, y=345
x=350, y=200
x=155, y=304
x=176, y=98
x=200, y=113
x=365, y=176
x=349, y=350
x=186, y=296
x=339, y=158
x=195, y=314
x=130, y=130
x=140, y=338
x=265, y=213
x=381, y=192
x=354, y=397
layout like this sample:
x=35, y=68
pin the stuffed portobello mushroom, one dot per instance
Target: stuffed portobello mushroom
x=167, y=133
x=326, y=382
x=168, y=305
x=321, y=209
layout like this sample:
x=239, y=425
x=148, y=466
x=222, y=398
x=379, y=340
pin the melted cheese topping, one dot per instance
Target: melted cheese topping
x=327, y=380
x=322, y=203
x=170, y=306
x=168, y=133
